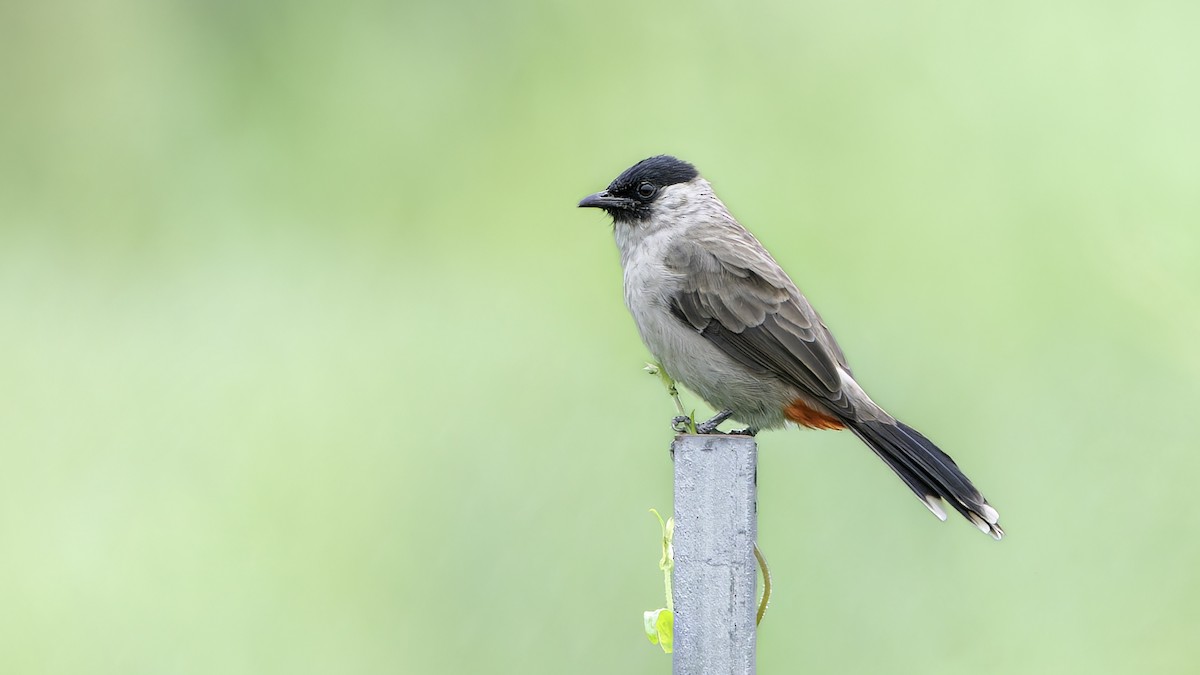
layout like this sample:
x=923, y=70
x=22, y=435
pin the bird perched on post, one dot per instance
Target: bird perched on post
x=725, y=320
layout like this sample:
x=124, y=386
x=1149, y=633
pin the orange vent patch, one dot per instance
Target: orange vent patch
x=801, y=413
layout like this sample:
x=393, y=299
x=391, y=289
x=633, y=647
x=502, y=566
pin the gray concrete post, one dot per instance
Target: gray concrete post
x=716, y=526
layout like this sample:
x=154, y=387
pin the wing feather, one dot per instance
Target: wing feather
x=736, y=296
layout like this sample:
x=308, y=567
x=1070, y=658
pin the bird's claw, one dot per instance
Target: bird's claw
x=684, y=424
x=710, y=425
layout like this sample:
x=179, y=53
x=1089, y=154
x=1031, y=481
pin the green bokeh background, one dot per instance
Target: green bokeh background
x=308, y=363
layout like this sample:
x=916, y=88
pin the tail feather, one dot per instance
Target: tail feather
x=928, y=472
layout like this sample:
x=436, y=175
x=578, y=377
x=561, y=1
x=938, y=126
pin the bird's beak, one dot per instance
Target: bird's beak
x=603, y=200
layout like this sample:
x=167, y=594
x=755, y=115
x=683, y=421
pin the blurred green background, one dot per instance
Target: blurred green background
x=309, y=364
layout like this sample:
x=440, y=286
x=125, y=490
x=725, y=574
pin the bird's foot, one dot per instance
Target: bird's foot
x=710, y=425
x=748, y=431
x=682, y=424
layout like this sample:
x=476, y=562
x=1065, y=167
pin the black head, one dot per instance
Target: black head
x=629, y=196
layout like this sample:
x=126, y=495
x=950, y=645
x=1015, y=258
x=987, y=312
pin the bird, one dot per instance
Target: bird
x=723, y=318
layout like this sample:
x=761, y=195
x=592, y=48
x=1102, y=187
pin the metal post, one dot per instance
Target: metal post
x=716, y=526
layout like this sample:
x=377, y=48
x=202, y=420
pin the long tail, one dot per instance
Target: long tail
x=929, y=472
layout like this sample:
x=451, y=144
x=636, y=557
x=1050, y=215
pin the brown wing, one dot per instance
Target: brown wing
x=738, y=297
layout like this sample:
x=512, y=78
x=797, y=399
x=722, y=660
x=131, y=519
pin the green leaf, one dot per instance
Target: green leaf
x=650, y=619
x=660, y=628
x=665, y=625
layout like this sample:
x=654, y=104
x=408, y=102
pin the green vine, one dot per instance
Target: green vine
x=660, y=623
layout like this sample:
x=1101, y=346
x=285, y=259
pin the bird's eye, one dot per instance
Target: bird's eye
x=646, y=190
